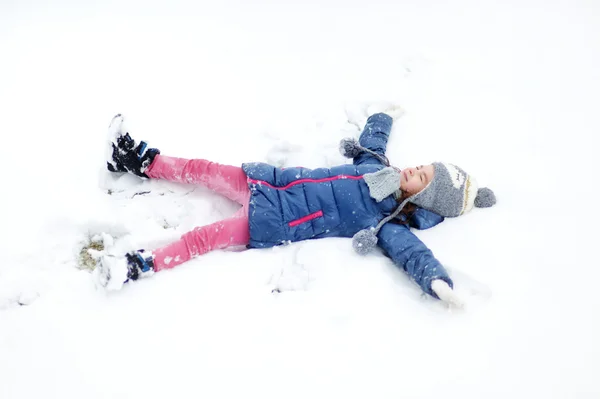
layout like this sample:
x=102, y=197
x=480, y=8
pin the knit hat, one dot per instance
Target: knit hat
x=450, y=193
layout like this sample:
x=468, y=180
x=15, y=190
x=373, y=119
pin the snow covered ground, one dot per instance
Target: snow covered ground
x=507, y=90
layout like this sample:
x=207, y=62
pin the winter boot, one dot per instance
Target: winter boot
x=139, y=264
x=112, y=272
x=123, y=155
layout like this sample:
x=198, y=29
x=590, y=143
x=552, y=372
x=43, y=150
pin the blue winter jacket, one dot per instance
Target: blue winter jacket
x=295, y=204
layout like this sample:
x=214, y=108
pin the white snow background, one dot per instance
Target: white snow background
x=507, y=90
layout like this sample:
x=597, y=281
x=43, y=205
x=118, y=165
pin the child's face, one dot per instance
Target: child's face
x=413, y=180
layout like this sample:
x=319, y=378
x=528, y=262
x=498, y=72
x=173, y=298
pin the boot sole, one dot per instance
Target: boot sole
x=115, y=130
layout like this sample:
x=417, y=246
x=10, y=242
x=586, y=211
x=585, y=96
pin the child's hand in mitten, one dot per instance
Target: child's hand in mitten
x=389, y=108
x=446, y=294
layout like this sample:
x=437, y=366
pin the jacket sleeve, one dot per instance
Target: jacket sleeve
x=423, y=219
x=374, y=137
x=411, y=255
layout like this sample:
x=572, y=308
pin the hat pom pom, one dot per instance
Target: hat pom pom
x=349, y=148
x=485, y=198
x=364, y=241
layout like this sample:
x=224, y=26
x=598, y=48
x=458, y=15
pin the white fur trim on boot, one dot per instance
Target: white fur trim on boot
x=446, y=294
x=111, y=272
x=115, y=130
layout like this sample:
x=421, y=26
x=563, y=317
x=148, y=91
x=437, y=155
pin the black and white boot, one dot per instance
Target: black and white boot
x=123, y=153
x=112, y=272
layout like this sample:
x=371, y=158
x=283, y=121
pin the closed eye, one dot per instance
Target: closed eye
x=421, y=175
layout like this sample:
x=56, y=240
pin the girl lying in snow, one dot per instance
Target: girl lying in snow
x=368, y=200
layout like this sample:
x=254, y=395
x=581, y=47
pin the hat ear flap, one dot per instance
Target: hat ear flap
x=485, y=198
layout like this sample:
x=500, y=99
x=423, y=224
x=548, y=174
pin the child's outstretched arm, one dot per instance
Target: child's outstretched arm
x=374, y=137
x=413, y=256
x=423, y=219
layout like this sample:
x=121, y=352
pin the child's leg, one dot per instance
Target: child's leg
x=229, y=232
x=230, y=181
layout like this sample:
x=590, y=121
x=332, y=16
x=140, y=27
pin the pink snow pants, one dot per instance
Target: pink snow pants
x=229, y=181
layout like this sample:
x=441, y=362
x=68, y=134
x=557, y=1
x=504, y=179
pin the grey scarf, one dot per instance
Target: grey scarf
x=383, y=183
